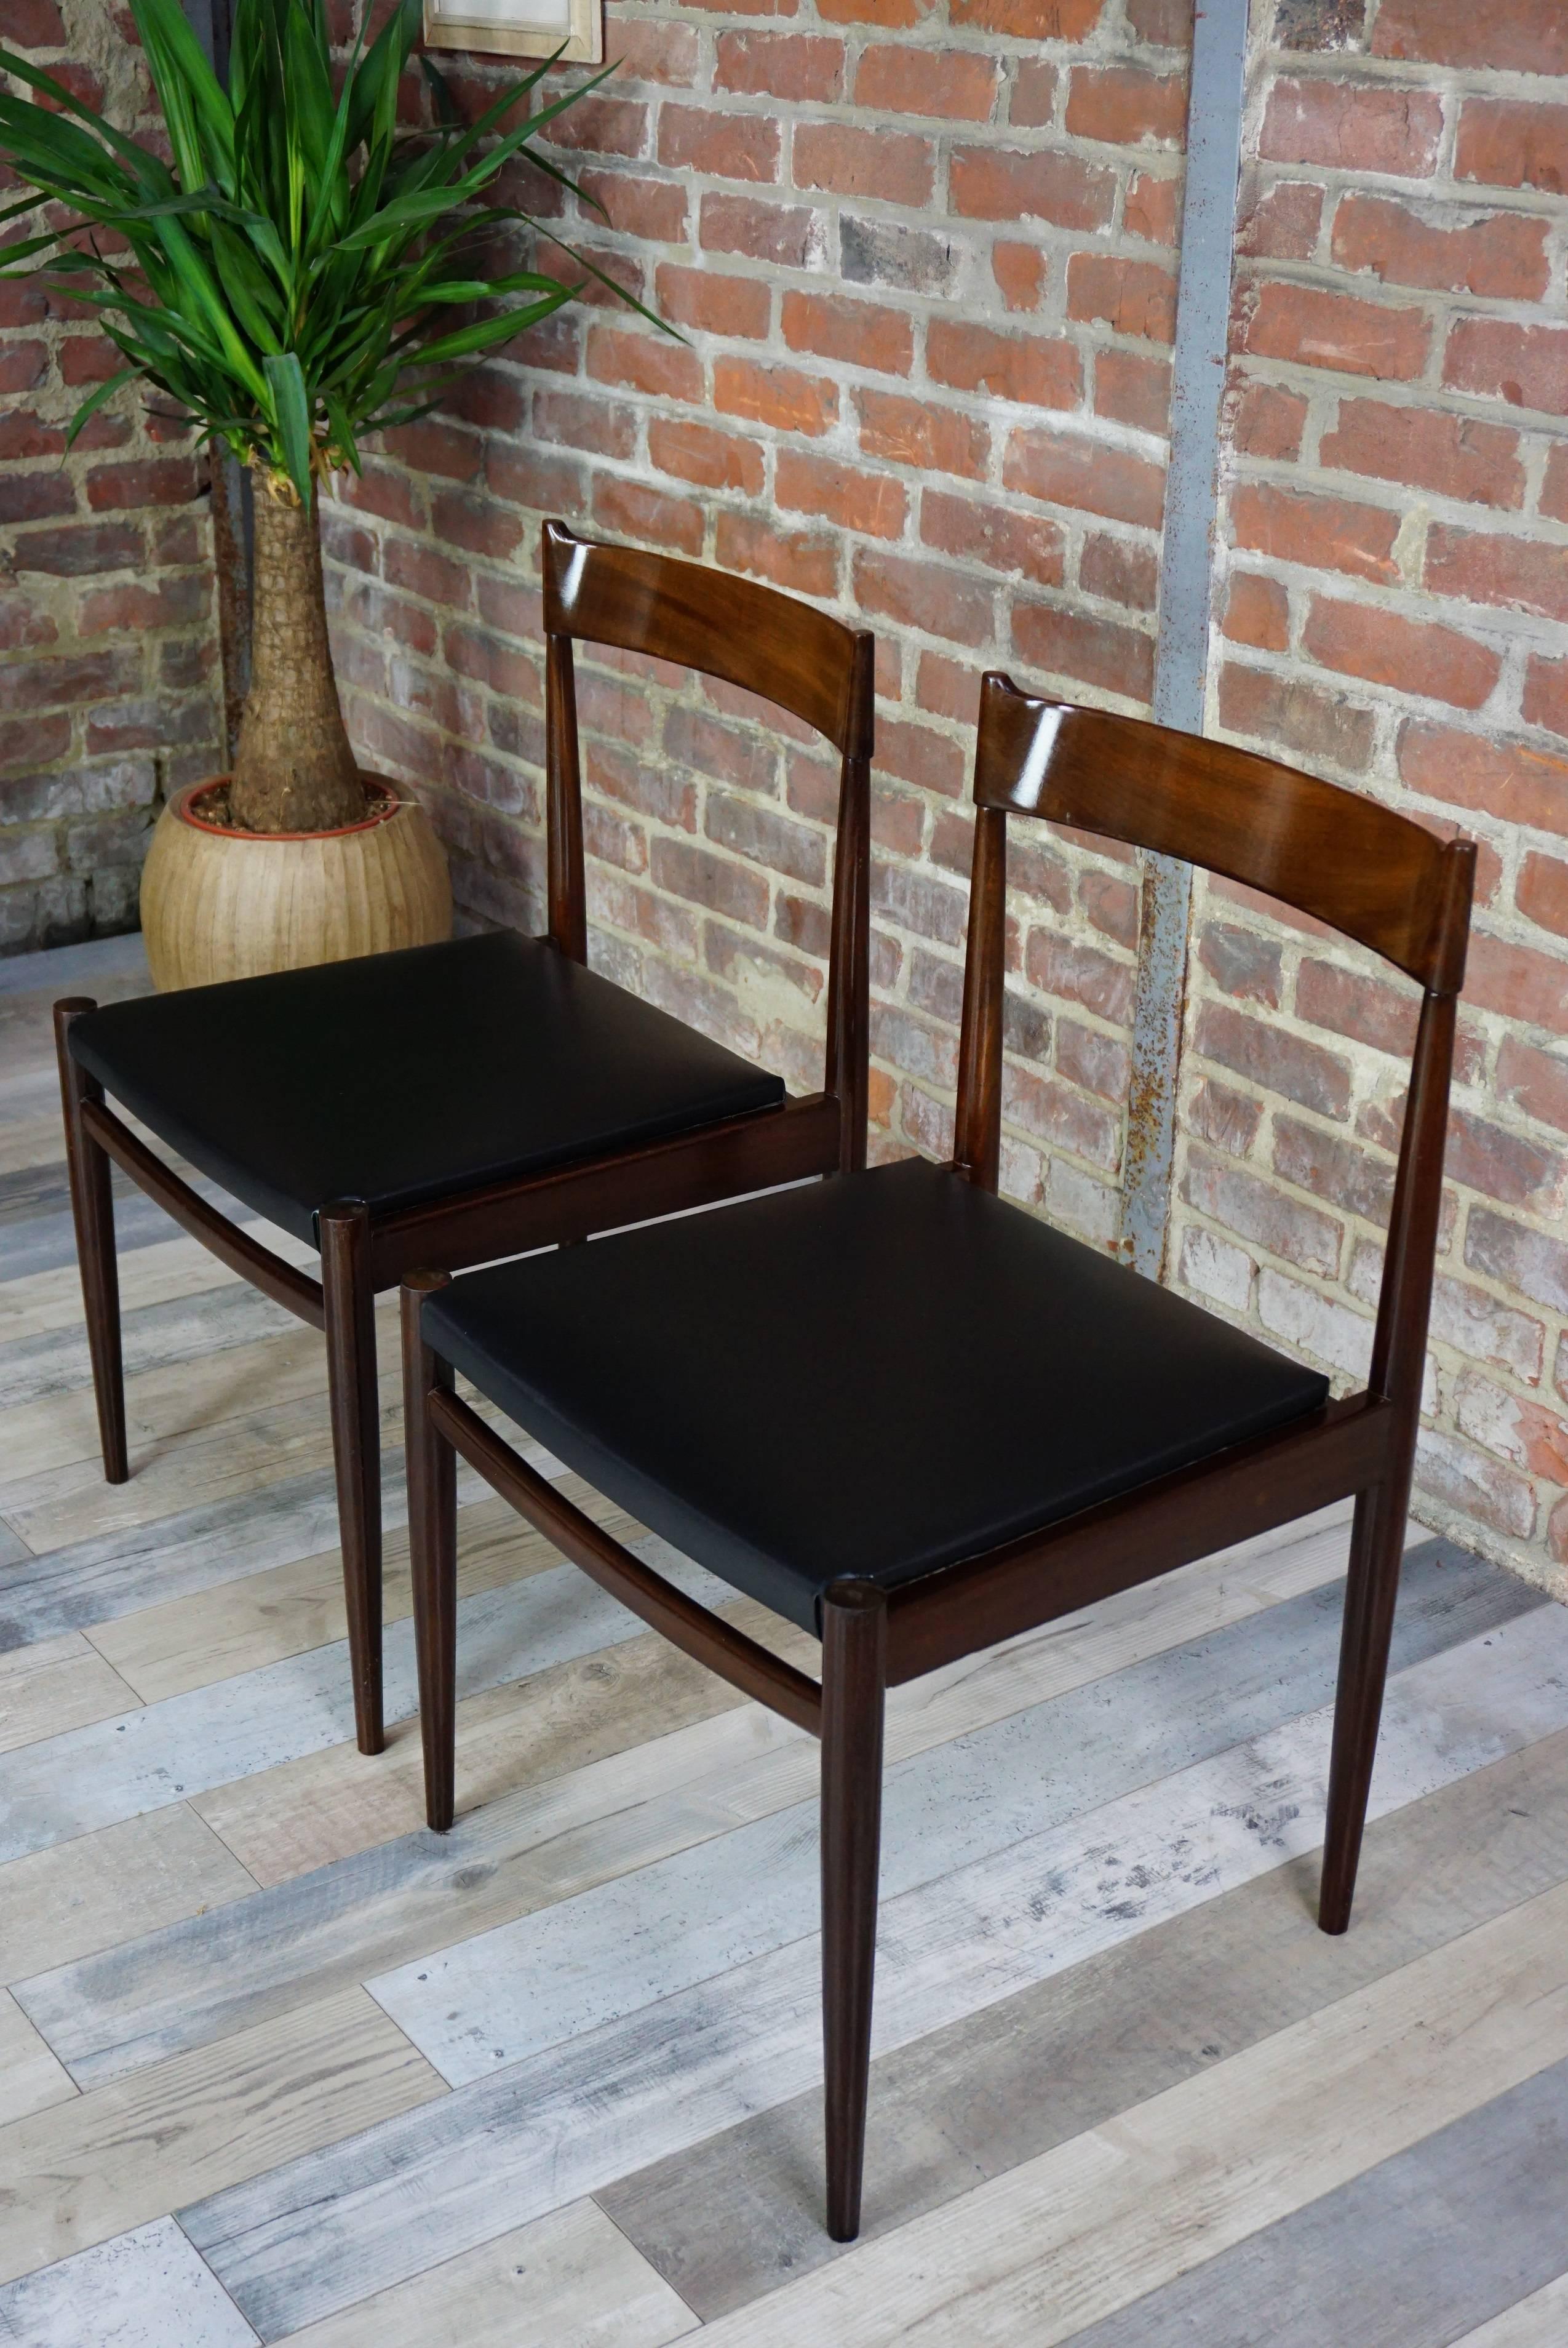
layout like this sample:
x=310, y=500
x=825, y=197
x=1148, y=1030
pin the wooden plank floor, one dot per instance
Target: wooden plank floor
x=278, y=2066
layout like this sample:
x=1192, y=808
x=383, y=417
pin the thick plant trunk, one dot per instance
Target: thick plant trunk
x=294, y=770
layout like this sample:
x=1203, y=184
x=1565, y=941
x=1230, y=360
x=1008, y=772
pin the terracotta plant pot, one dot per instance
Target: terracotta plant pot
x=218, y=903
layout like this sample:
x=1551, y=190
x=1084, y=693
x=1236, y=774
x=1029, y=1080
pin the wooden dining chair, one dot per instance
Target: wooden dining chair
x=461, y=1101
x=915, y=1420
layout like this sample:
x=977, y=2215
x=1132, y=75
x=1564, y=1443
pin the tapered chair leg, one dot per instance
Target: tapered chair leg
x=432, y=1551
x=92, y=1209
x=1371, y=1594
x=854, y=1684
x=354, y=1395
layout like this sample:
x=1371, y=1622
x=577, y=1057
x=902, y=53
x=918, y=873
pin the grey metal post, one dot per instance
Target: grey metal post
x=1186, y=570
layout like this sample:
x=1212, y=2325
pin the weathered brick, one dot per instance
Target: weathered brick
x=1034, y=369
x=995, y=183
x=894, y=165
x=1503, y=254
x=1087, y=1057
x=1427, y=448
x=999, y=536
x=1512, y=143
x=781, y=396
x=1056, y=1114
x=1269, y=1056
x=1312, y=724
x=633, y=204
x=1511, y=781
x=1256, y=1210
x=804, y=563
x=645, y=363
x=1211, y=1267
x=1527, y=573
x=1219, y=1113
x=913, y=900
x=1119, y=570
x=1097, y=651
x=792, y=849
x=1019, y=271
x=1080, y=973
x=694, y=738
x=1353, y=126
x=1533, y=1081
x=1486, y=1157
x=1517, y=36
x=713, y=460
x=1258, y=613
x=35, y=496
x=912, y=432
x=721, y=146
x=1545, y=701
x=1540, y=892
x=1478, y=1487
x=852, y=498
x=534, y=478
x=1132, y=387
x=781, y=234
x=864, y=334
x=954, y=85
x=1518, y=981
x=707, y=879
x=1133, y=298
x=920, y=596
x=799, y=66
x=1525, y=1260
x=1555, y=488
x=1029, y=20
x=1413, y=656
x=1312, y=327
x=634, y=511
x=1322, y=534
x=1242, y=963
x=1268, y=420
x=1070, y=470
x=713, y=302
x=1034, y=92
x=892, y=253
x=1280, y=221
x=1526, y=366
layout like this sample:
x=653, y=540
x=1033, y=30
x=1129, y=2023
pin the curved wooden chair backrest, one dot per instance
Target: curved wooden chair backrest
x=767, y=642
x=1361, y=867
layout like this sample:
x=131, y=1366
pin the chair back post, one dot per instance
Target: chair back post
x=845, y=1062
x=978, y=1127
x=565, y=882
x=785, y=652
x=1404, y=1299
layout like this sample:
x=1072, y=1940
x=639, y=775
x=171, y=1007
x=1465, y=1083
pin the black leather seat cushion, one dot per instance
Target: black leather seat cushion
x=876, y=1374
x=400, y=1078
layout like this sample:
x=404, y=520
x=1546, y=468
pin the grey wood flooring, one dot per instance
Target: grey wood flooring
x=278, y=2066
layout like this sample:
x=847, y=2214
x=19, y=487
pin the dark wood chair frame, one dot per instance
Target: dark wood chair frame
x=785, y=652
x=1367, y=873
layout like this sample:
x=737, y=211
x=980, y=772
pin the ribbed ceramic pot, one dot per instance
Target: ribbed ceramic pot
x=218, y=903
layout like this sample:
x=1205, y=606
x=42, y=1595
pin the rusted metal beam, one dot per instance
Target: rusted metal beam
x=1186, y=572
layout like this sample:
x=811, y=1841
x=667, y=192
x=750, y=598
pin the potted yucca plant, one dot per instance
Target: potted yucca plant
x=302, y=273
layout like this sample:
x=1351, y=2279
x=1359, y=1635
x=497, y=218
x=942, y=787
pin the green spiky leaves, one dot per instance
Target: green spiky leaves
x=298, y=278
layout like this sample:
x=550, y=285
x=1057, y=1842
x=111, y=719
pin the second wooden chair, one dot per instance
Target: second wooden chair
x=469, y=1100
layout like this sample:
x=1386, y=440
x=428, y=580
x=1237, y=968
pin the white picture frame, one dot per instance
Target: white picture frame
x=519, y=28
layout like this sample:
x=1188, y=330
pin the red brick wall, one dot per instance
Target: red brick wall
x=107, y=649
x=1396, y=615
x=925, y=264
x=925, y=261
x=923, y=255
